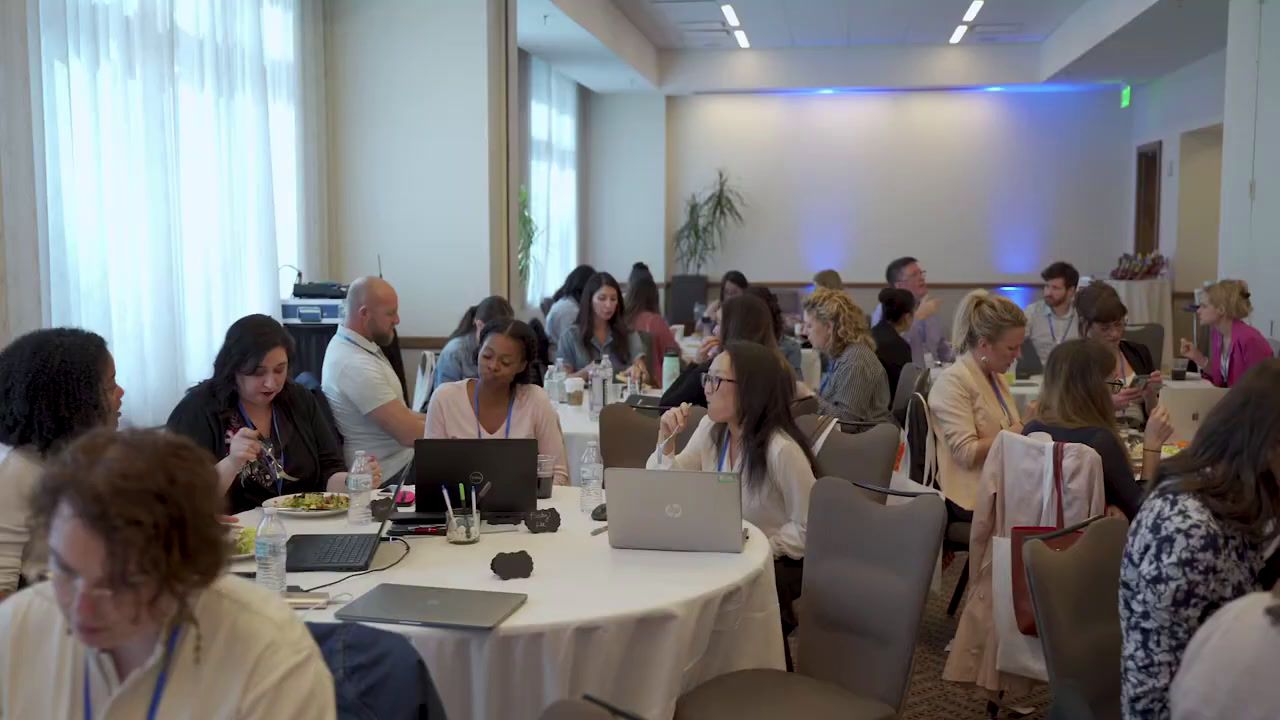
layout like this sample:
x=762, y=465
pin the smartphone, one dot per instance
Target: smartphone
x=1140, y=381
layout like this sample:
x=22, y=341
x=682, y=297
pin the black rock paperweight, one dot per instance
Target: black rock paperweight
x=510, y=566
x=543, y=521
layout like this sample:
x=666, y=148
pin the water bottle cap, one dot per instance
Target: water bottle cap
x=672, y=352
x=360, y=453
x=593, y=443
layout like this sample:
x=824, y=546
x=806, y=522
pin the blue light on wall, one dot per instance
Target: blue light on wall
x=1022, y=88
x=1021, y=296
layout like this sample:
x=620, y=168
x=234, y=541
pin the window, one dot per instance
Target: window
x=553, y=178
x=171, y=168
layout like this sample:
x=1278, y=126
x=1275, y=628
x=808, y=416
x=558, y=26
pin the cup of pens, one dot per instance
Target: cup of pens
x=462, y=524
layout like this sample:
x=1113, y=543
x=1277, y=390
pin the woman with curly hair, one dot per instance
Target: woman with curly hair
x=856, y=387
x=55, y=385
x=138, y=618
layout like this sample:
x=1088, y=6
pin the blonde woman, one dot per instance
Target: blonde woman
x=970, y=401
x=855, y=387
x=1234, y=345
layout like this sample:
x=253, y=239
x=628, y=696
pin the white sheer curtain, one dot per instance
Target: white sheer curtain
x=171, y=151
x=553, y=178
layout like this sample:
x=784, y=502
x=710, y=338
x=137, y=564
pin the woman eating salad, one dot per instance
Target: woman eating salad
x=268, y=433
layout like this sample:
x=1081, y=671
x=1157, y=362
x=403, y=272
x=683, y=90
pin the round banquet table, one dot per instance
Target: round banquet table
x=634, y=627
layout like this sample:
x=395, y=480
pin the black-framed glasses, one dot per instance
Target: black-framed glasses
x=711, y=383
x=1116, y=385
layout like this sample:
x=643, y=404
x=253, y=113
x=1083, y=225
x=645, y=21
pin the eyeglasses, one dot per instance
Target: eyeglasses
x=1116, y=385
x=65, y=584
x=711, y=383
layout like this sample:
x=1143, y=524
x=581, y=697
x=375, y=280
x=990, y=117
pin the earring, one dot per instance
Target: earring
x=983, y=359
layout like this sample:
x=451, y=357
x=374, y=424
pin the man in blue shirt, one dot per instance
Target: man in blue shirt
x=928, y=334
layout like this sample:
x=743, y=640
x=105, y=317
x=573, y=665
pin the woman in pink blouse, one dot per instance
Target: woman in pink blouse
x=644, y=316
x=503, y=402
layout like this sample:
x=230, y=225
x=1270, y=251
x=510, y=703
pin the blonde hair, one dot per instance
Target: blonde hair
x=983, y=316
x=849, y=325
x=828, y=279
x=1231, y=297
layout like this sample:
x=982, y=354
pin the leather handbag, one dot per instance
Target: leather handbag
x=1023, y=610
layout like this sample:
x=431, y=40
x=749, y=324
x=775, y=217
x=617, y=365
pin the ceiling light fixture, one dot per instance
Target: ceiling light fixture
x=959, y=33
x=731, y=17
x=972, y=12
x=741, y=35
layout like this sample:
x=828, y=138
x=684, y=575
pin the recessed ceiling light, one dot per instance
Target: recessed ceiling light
x=959, y=33
x=731, y=17
x=972, y=12
x=741, y=35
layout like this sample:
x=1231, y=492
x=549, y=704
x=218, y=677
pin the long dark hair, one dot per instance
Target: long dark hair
x=765, y=392
x=617, y=323
x=746, y=318
x=248, y=340
x=735, y=277
x=895, y=304
x=1228, y=464
x=51, y=388
x=1075, y=393
x=524, y=336
x=494, y=307
x=642, y=296
x=771, y=302
x=574, y=282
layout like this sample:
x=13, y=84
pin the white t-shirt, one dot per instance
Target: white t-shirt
x=359, y=379
x=255, y=660
x=19, y=472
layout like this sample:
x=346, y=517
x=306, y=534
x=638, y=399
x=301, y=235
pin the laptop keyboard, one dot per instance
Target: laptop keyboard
x=345, y=549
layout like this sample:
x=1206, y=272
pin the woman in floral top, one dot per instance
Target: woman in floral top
x=1201, y=538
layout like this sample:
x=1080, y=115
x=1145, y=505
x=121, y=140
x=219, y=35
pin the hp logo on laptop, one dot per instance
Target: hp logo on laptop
x=674, y=511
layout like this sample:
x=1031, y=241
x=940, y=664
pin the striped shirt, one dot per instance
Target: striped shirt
x=856, y=388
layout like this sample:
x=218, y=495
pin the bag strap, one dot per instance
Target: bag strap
x=1059, y=450
x=825, y=425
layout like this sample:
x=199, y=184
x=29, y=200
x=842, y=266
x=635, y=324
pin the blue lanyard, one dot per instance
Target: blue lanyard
x=724, y=451
x=476, y=405
x=156, y=694
x=1054, y=333
x=995, y=387
x=279, y=444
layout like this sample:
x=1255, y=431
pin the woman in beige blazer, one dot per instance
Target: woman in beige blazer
x=970, y=401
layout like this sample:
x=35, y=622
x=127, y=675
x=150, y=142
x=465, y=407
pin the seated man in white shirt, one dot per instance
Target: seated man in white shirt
x=138, y=619
x=361, y=386
x=1052, y=321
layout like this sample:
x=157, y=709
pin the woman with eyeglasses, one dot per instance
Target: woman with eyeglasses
x=1075, y=407
x=139, y=618
x=503, y=402
x=1102, y=317
x=55, y=385
x=749, y=430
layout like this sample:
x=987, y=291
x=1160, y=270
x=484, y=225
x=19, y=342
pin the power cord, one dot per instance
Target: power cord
x=397, y=561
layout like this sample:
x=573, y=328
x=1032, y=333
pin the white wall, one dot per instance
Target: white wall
x=623, y=187
x=982, y=186
x=1187, y=99
x=1199, y=201
x=409, y=104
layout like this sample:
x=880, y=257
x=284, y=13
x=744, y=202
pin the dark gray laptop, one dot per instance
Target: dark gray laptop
x=432, y=607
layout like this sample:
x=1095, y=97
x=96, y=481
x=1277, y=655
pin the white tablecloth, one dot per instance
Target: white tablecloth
x=1150, y=301
x=636, y=628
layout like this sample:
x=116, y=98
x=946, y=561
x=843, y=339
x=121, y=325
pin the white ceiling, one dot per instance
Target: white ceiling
x=1165, y=37
x=784, y=24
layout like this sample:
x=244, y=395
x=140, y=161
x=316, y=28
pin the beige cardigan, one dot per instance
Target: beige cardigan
x=965, y=411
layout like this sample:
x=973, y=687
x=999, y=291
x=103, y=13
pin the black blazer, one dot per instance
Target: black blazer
x=311, y=452
x=894, y=353
x=1138, y=357
x=687, y=388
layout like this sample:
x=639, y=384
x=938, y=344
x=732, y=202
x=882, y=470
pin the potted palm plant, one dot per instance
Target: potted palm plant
x=528, y=230
x=704, y=232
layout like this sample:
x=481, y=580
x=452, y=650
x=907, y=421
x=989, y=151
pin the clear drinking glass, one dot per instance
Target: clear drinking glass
x=462, y=527
x=546, y=475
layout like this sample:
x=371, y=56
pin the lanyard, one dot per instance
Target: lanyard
x=510, y=405
x=1054, y=333
x=279, y=444
x=378, y=355
x=156, y=694
x=724, y=451
x=995, y=387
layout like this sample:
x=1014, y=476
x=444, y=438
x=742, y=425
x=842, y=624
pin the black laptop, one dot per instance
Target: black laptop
x=504, y=473
x=341, y=552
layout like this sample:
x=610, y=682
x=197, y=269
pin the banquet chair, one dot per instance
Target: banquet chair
x=906, y=386
x=805, y=406
x=377, y=675
x=628, y=437
x=1078, y=629
x=866, y=456
x=867, y=572
x=1152, y=336
x=575, y=710
x=424, y=381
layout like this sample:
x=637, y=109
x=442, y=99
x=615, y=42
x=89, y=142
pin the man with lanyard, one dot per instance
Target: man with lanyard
x=1053, y=320
x=363, y=389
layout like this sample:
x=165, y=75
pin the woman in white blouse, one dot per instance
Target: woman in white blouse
x=751, y=432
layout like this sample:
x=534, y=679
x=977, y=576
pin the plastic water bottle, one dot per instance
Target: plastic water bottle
x=596, y=391
x=269, y=551
x=555, y=383
x=359, y=490
x=670, y=368
x=591, y=477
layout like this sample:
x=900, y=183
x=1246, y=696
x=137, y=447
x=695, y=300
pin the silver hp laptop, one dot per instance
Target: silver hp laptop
x=674, y=510
x=1188, y=407
x=432, y=606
